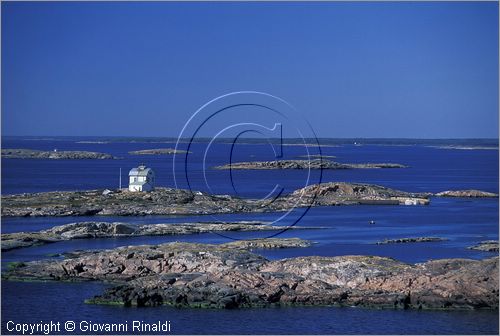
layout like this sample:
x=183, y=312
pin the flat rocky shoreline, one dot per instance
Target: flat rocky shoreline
x=231, y=276
x=83, y=230
x=170, y=201
x=55, y=155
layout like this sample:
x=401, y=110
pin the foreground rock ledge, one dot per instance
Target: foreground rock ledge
x=170, y=201
x=230, y=276
x=85, y=230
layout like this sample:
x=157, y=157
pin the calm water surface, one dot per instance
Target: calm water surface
x=334, y=231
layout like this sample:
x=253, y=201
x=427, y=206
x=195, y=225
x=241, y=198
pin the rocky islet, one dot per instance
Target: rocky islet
x=54, y=155
x=171, y=201
x=86, y=230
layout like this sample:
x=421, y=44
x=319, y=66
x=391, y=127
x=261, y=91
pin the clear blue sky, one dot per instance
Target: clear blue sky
x=424, y=70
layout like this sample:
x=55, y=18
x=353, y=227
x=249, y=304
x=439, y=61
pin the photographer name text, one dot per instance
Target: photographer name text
x=52, y=327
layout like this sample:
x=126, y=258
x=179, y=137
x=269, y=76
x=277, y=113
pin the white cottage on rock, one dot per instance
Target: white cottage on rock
x=141, y=179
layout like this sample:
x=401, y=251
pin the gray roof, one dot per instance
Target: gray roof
x=137, y=183
x=140, y=171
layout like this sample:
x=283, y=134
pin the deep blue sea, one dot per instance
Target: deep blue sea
x=334, y=230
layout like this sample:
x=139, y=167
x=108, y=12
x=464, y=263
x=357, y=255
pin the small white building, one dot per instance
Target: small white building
x=141, y=179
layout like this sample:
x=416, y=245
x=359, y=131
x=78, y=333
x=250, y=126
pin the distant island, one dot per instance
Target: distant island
x=466, y=193
x=92, y=142
x=306, y=164
x=318, y=156
x=411, y=240
x=55, y=154
x=466, y=147
x=158, y=151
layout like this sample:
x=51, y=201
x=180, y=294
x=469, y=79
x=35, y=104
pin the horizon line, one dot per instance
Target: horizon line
x=253, y=138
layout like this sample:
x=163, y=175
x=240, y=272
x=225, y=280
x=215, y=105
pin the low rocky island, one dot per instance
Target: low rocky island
x=305, y=164
x=83, y=230
x=171, y=201
x=56, y=155
x=466, y=193
x=302, y=144
x=487, y=246
x=97, y=142
x=411, y=240
x=158, y=151
x=460, y=147
x=318, y=156
x=231, y=276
